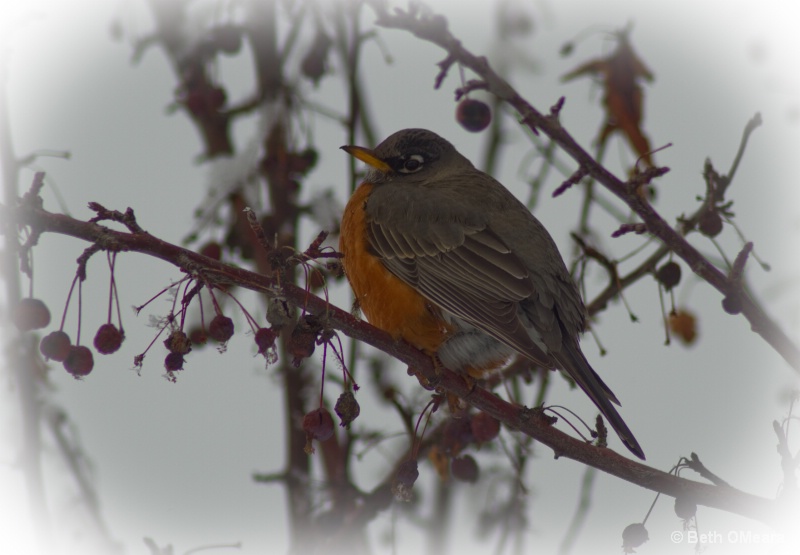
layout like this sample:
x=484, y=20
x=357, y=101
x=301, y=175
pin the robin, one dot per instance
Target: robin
x=442, y=255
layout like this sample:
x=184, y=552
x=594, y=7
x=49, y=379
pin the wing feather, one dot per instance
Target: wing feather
x=471, y=274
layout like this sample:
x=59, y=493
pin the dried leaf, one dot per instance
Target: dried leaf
x=620, y=73
x=684, y=325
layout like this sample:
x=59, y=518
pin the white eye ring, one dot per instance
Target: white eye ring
x=412, y=164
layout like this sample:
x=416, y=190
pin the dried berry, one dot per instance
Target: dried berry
x=173, y=362
x=221, y=328
x=265, y=339
x=108, y=339
x=485, y=427
x=732, y=303
x=217, y=97
x=55, y=346
x=195, y=101
x=465, y=469
x=318, y=424
x=669, y=275
x=403, y=482
x=79, y=361
x=685, y=507
x=178, y=342
x=304, y=339
x=212, y=249
x=31, y=314
x=710, y=223
x=347, y=408
x=684, y=324
x=634, y=536
x=315, y=60
x=473, y=115
x=197, y=337
x=303, y=162
x=279, y=312
x=456, y=435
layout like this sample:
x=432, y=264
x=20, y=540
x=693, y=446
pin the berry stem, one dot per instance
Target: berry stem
x=417, y=436
x=340, y=355
x=80, y=311
x=138, y=309
x=184, y=305
x=110, y=285
x=250, y=320
x=217, y=308
x=202, y=311
x=66, y=305
x=116, y=291
x=322, y=378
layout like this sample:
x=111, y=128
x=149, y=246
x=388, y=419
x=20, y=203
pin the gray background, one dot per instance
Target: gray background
x=173, y=461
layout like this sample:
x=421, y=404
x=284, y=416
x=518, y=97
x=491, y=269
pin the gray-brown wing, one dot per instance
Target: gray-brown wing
x=466, y=270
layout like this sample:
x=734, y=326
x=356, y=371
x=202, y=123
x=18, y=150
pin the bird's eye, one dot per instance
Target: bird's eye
x=412, y=164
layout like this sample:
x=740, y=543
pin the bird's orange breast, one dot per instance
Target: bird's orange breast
x=386, y=301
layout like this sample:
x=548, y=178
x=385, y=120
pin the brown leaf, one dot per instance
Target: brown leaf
x=684, y=324
x=620, y=73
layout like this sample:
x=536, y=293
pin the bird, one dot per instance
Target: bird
x=443, y=256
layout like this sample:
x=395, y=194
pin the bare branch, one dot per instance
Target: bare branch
x=433, y=28
x=515, y=417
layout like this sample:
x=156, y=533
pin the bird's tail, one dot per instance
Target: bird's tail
x=572, y=361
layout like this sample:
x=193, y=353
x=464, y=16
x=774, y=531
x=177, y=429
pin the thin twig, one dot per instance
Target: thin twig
x=433, y=28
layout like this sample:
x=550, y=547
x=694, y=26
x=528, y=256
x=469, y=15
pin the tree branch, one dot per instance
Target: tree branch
x=528, y=421
x=433, y=28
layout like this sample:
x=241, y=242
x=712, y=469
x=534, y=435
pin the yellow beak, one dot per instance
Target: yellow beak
x=368, y=157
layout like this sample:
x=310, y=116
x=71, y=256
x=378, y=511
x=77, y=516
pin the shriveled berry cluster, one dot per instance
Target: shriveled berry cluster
x=448, y=452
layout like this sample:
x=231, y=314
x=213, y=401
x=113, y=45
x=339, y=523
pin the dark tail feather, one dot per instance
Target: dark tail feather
x=572, y=361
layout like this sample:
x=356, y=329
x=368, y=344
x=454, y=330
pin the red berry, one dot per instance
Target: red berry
x=195, y=101
x=669, y=275
x=173, y=362
x=265, y=339
x=221, y=328
x=465, y=469
x=217, y=98
x=456, y=435
x=318, y=424
x=473, y=115
x=31, y=314
x=197, y=337
x=485, y=427
x=108, y=339
x=55, y=346
x=79, y=361
x=212, y=249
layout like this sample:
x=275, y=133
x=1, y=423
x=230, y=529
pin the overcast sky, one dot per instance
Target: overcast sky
x=174, y=461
